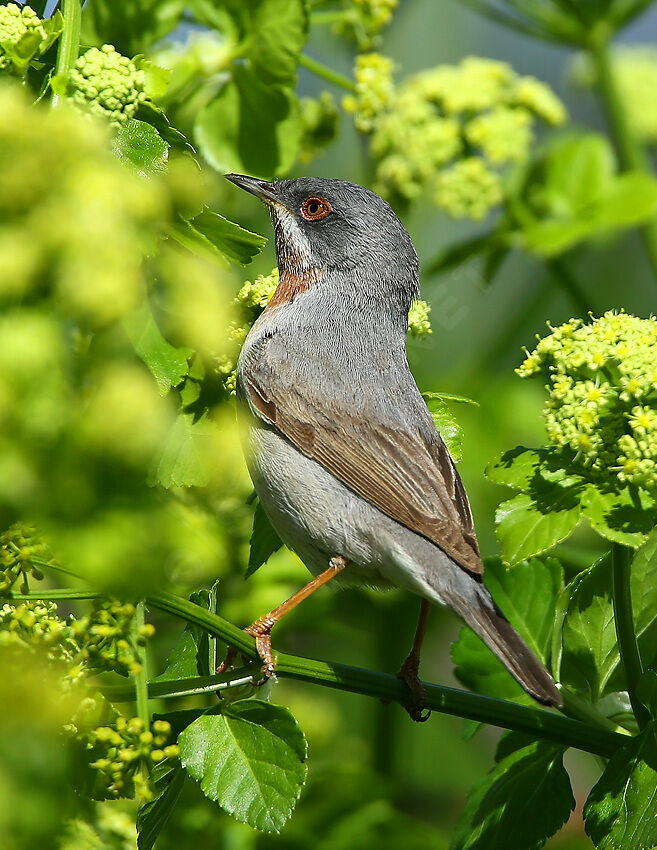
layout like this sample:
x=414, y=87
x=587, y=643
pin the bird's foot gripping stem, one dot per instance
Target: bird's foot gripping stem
x=408, y=673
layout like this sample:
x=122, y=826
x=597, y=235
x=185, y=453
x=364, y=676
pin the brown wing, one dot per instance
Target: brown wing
x=410, y=479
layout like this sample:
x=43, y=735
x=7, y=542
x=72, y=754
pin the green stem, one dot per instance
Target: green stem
x=56, y=595
x=327, y=73
x=571, y=286
x=508, y=715
x=141, y=678
x=185, y=687
x=624, y=620
x=630, y=152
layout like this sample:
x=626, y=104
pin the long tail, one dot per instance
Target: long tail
x=480, y=612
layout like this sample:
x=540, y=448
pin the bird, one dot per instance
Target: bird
x=342, y=450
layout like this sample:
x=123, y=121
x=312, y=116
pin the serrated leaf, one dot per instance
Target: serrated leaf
x=180, y=463
x=250, y=127
x=526, y=527
x=233, y=241
x=524, y=800
x=517, y=467
x=590, y=660
x=263, y=543
x=446, y=425
x=140, y=145
x=526, y=594
x=279, y=32
x=153, y=815
x=621, y=811
x=250, y=757
x=168, y=364
x=622, y=517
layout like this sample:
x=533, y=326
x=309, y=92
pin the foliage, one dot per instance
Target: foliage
x=124, y=307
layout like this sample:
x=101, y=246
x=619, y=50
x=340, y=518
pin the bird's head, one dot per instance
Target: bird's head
x=335, y=228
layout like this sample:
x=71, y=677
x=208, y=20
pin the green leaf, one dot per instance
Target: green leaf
x=448, y=428
x=279, y=32
x=182, y=660
x=623, y=517
x=527, y=595
x=527, y=526
x=621, y=811
x=578, y=171
x=517, y=468
x=590, y=660
x=250, y=127
x=524, y=800
x=180, y=463
x=153, y=815
x=168, y=364
x=264, y=541
x=250, y=757
x=631, y=199
x=140, y=145
x=152, y=114
x=156, y=78
x=233, y=241
x=130, y=25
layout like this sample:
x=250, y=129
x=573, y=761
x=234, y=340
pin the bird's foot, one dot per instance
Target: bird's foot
x=261, y=631
x=408, y=673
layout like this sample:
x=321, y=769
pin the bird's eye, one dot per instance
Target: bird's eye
x=315, y=208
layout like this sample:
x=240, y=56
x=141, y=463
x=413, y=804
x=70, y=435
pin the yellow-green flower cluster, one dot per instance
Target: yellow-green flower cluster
x=252, y=299
x=121, y=750
x=18, y=549
x=107, y=637
x=20, y=28
x=449, y=133
x=107, y=83
x=602, y=407
x=36, y=626
x=364, y=19
x=374, y=90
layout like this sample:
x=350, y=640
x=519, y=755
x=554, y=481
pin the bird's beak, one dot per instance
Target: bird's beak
x=260, y=188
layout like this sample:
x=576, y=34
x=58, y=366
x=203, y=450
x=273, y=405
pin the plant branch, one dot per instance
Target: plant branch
x=630, y=153
x=185, y=687
x=56, y=595
x=327, y=73
x=141, y=678
x=69, y=41
x=508, y=715
x=624, y=620
x=571, y=286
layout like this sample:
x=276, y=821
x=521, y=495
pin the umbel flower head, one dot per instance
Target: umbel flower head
x=602, y=405
x=23, y=35
x=450, y=132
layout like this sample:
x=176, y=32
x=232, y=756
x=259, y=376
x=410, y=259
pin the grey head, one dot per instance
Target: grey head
x=340, y=231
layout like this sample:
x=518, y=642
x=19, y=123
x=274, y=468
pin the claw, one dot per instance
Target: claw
x=408, y=673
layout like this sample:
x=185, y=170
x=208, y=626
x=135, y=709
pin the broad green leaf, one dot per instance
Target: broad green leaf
x=527, y=526
x=264, y=541
x=590, y=660
x=153, y=815
x=130, y=25
x=577, y=172
x=621, y=811
x=168, y=364
x=279, y=32
x=554, y=236
x=527, y=595
x=156, y=78
x=517, y=467
x=622, y=517
x=181, y=663
x=250, y=127
x=189, y=237
x=152, y=114
x=233, y=241
x=250, y=757
x=630, y=200
x=524, y=800
x=180, y=462
x=140, y=145
x=448, y=428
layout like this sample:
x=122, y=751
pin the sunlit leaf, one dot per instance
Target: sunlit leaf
x=527, y=527
x=264, y=541
x=168, y=364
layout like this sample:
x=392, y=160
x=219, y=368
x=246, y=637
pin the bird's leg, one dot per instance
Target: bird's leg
x=261, y=628
x=408, y=672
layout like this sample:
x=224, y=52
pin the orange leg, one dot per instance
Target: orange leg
x=408, y=672
x=261, y=628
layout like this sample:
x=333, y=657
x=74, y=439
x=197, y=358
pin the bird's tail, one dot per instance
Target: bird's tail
x=490, y=624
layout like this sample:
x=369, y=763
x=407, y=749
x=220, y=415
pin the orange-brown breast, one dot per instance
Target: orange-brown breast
x=290, y=285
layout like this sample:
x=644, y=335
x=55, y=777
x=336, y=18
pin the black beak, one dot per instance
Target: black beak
x=260, y=188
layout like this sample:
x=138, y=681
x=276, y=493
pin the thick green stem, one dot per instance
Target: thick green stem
x=508, y=715
x=625, y=634
x=141, y=678
x=327, y=73
x=630, y=152
x=57, y=595
x=69, y=41
x=176, y=688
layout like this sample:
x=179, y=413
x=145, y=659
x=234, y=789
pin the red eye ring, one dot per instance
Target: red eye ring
x=315, y=208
